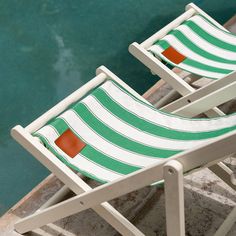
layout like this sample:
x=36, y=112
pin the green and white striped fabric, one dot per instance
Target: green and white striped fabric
x=124, y=134
x=209, y=50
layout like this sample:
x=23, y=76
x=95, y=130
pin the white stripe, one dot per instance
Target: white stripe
x=205, y=45
x=202, y=72
x=95, y=140
x=156, y=49
x=79, y=160
x=94, y=169
x=48, y=132
x=164, y=119
x=133, y=133
x=213, y=30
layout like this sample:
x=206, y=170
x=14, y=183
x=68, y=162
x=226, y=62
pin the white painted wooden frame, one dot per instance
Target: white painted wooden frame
x=157, y=67
x=171, y=170
x=205, y=98
x=227, y=224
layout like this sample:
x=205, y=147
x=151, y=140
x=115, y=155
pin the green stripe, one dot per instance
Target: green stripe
x=149, y=105
x=118, y=139
x=212, y=23
x=108, y=162
x=198, y=65
x=151, y=128
x=63, y=159
x=94, y=155
x=164, y=44
x=59, y=126
x=193, y=47
x=209, y=38
x=205, y=67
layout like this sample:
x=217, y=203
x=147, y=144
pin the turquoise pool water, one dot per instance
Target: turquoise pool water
x=51, y=47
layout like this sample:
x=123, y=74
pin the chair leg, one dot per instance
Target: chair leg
x=70, y=179
x=45, y=215
x=105, y=210
x=57, y=197
x=224, y=173
x=227, y=224
x=174, y=198
x=171, y=96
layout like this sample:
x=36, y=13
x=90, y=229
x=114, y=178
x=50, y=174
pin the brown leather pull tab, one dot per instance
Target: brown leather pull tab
x=173, y=55
x=69, y=143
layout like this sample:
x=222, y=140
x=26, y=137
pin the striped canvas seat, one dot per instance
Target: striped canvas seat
x=121, y=134
x=200, y=47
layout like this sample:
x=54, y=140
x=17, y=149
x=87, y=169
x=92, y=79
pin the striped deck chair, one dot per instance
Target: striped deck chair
x=193, y=42
x=197, y=44
x=109, y=133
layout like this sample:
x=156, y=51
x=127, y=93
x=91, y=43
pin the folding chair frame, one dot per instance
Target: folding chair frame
x=158, y=68
x=171, y=170
x=191, y=97
x=205, y=98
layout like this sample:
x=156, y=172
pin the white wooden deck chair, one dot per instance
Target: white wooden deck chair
x=193, y=42
x=196, y=43
x=108, y=132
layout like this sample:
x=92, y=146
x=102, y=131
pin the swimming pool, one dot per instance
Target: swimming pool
x=50, y=48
